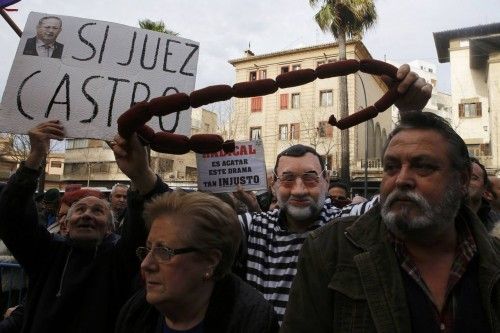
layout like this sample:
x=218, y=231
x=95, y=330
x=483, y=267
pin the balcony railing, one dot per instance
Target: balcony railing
x=375, y=163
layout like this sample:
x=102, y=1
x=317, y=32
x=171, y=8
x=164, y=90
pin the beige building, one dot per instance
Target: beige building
x=11, y=158
x=300, y=114
x=474, y=57
x=92, y=163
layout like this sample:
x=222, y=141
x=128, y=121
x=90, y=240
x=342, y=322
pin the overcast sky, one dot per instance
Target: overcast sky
x=224, y=28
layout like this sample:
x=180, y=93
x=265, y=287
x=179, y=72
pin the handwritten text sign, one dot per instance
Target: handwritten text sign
x=93, y=72
x=222, y=172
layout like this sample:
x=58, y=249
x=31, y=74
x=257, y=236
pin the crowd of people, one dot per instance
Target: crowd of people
x=416, y=258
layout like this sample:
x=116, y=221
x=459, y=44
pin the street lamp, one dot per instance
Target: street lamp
x=366, y=139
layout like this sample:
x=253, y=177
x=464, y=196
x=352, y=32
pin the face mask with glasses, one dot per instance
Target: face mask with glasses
x=288, y=179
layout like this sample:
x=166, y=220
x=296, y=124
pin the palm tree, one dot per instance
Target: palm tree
x=344, y=19
x=156, y=26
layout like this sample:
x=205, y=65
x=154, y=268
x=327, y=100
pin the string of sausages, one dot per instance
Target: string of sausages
x=135, y=118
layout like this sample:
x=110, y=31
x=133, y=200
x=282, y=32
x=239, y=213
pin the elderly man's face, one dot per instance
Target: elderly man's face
x=48, y=30
x=301, y=199
x=88, y=220
x=420, y=191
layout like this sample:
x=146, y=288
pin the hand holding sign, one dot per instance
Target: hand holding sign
x=40, y=137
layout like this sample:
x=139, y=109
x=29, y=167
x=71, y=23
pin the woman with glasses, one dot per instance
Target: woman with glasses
x=192, y=242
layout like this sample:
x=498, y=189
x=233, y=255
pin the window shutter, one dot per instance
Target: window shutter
x=256, y=104
x=296, y=133
x=479, y=109
x=283, y=101
x=461, y=112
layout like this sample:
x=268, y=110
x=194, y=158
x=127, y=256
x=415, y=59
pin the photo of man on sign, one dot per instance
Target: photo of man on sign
x=44, y=43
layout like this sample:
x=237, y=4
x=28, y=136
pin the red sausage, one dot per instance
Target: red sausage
x=377, y=67
x=210, y=94
x=357, y=118
x=255, y=88
x=205, y=143
x=229, y=146
x=146, y=134
x=296, y=78
x=339, y=68
x=387, y=100
x=132, y=119
x=161, y=106
x=170, y=143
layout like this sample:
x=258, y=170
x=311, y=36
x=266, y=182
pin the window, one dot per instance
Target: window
x=55, y=164
x=295, y=101
x=165, y=165
x=295, y=67
x=469, y=110
x=326, y=98
x=252, y=76
x=294, y=131
x=284, y=69
x=322, y=62
x=262, y=74
x=77, y=143
x=100, y=167
x=256, y=104
x=479, y=150
x=255, y=133
x=325, y=129
x=283, y=101
x=283, y=132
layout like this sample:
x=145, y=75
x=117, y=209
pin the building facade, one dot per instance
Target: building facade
x=300, y=114
x=474, y=57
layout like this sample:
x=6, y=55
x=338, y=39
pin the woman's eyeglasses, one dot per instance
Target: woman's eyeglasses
x=161, y=253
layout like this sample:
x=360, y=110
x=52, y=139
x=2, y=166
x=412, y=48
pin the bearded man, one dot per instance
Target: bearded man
x=421, y=261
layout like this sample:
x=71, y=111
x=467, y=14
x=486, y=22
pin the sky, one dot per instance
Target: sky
x=224, y=28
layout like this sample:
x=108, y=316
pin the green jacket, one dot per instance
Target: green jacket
x=349, y=280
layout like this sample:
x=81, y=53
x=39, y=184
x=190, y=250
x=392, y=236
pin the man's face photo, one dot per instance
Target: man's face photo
x=48, y=30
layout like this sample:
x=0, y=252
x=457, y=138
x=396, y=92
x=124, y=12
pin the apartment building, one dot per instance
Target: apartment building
x=300, y=114
x=474, y=57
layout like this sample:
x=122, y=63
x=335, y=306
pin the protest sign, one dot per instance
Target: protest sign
x=223, y=172
x=87, y=72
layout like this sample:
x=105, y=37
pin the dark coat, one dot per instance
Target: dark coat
x=70, y=289
x=349, y=279
x=30, y=48
x=234, y=307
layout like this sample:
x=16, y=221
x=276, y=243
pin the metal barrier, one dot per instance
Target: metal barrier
x=13, y=282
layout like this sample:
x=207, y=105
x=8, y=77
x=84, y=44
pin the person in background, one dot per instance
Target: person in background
x=186, y=265
x=50, y=206
x=118, y=200
x=339, y=193
x=478, y=193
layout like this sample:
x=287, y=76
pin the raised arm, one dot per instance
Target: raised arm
x=19, y=228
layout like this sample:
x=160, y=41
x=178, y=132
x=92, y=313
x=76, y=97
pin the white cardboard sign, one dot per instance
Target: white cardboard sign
x=93, y=72
x=222, y=172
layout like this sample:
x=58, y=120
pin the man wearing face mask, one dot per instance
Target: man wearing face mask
x=77, y=283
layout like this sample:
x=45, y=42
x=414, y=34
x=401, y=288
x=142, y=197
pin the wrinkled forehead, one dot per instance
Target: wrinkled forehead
x=298, y=164
x=92, y=201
